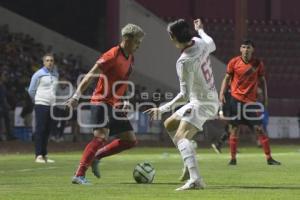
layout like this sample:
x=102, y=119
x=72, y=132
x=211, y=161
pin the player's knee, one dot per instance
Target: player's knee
x=176, y=139
x=259, y=130
x=101, y=133
x=169, y=125
x=179, y=136
x=232, y=127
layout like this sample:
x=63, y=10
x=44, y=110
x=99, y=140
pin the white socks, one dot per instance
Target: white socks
x=188, y=155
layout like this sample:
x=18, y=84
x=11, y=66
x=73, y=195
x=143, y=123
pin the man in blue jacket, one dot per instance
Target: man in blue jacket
x=42, y=91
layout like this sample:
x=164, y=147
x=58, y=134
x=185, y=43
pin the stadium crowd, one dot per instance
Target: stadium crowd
x=20, y=57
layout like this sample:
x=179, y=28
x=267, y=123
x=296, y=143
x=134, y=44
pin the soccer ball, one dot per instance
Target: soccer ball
x=143, y=173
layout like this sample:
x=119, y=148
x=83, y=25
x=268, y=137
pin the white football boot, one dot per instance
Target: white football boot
x=192, y=185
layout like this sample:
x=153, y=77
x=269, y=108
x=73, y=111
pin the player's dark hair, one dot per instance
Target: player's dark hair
x=180, y=29
x=248, y=42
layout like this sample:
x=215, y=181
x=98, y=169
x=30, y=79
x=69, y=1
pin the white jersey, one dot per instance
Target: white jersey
x=195, y=73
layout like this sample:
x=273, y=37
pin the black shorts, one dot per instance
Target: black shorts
x=102, y=116
x=226, y=106
x=241, y=114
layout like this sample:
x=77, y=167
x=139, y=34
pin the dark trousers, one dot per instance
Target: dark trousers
x=42, y=129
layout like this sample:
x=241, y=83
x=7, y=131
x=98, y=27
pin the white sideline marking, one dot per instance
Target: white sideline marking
x=34, y=169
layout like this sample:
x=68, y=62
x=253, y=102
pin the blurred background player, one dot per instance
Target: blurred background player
x=197, y=92
x=115, y=65
x=244, y=74
x=4, y=112
x=42, y=92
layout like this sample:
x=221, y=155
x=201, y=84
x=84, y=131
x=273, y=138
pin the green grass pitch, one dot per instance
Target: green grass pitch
x=252, y=178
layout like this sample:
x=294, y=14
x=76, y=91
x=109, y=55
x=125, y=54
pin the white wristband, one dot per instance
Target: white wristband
x=126, y=103
x=164, y=108
x=76, y=96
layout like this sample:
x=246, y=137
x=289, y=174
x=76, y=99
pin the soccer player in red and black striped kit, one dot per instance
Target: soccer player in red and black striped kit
x=112, y=67
x=244, y=73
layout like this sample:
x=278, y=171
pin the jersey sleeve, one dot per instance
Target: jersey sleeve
x=230, y=67
x=106, y=61
x=186, y=77
x=211, y=46
x=261, y=69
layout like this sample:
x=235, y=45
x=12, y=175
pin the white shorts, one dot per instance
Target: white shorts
x=197, y=113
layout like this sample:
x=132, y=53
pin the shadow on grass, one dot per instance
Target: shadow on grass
x=132, y=183
x=226, y=187
x=254, y=187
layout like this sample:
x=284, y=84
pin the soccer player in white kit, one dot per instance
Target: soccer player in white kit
x=198, y=94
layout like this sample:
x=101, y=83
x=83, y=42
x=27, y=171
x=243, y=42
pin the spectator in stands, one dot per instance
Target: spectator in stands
x=137, y=96
x=4, y=111
x=145, y=97
x=19, y=58
x=244, y=74
x=27, y=109
x=158, y=97
x=115, y=65
x=42, y=91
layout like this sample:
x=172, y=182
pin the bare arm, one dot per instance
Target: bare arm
x=263, y=83
x=83, y=85
x=224, y=86
x=85, y=82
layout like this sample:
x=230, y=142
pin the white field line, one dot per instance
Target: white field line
x=244, y=154
x=35, y=169
x=164, y=155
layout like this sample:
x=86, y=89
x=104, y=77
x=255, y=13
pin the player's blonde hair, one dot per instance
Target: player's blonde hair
x=132, y=30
